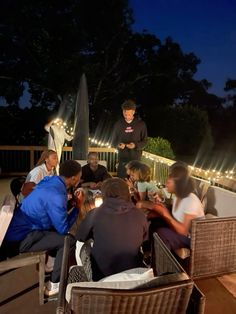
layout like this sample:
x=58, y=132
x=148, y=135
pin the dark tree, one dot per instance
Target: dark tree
x=49, y=44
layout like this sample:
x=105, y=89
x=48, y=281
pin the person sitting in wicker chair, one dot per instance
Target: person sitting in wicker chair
x=117, y=228
x=174, y=229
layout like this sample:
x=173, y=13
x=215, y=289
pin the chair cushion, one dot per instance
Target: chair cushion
x=127, y=279
x=140, y=273
x=105, y=285
x=129, y=285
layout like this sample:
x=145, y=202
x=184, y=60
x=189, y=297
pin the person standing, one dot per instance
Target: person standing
x=56, y=137
x=129, y=136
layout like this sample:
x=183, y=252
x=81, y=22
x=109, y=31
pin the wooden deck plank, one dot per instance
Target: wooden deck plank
x=218, y=299
x=20, y=289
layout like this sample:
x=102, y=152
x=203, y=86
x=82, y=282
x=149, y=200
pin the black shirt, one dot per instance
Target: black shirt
x=100, y=174
x=135, y=132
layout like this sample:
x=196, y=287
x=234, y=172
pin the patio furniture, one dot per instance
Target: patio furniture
x=167, y=293
x=23, y=259
x=213, y=247
x=166, y=263
x=26, y=259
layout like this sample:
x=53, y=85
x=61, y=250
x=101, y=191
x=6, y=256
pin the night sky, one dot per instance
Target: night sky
x=205, y=27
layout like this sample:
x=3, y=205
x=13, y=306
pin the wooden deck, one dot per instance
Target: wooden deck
x=19, y=288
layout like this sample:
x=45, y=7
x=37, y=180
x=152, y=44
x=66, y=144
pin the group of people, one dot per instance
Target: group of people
x=120, y=225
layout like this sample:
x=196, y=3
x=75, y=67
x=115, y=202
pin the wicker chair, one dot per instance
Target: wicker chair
x=168, y=293
x=166, y=263
x=213, y=247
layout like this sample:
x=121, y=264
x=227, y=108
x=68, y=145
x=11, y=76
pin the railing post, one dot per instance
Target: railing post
x=31, y=159
x=154, y=170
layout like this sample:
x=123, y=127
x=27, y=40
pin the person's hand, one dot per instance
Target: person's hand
x=154, y=197
x=130, y=145
x=129, y=183
x=98, y=185
x=145, y=204
x=79, y=195
x=139, y=205
x=121, y=146
x=161, y=210
x=93, y=185
x=69, y=196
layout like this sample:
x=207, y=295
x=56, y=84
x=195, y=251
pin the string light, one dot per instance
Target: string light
x=100, y=143
x=211, y=175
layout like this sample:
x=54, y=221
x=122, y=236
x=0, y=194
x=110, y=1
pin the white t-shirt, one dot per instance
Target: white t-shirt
x=189, y=205
x=38, y=173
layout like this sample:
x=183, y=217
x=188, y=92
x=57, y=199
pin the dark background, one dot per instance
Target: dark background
x=47, y=45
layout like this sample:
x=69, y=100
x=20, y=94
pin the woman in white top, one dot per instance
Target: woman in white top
x=186, y=206
x=45, y=167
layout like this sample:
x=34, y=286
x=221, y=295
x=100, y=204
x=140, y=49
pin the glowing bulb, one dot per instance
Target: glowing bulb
x=98, y=201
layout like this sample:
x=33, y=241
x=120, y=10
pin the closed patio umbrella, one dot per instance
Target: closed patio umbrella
x=81, y=124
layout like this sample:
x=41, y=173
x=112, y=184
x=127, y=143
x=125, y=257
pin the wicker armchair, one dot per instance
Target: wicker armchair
x=166, y=263
x=168, y=293
x=213, y=247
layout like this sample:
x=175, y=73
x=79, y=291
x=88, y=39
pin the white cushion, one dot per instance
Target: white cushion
x=105, y=285
x=139, y=273
x=128, y=279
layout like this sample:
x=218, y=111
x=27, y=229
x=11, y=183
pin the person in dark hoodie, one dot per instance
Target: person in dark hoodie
x=129, y=136
x=118, y=229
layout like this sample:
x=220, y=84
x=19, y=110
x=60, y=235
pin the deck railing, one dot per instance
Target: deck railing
x=160, y=168
x=19, y=160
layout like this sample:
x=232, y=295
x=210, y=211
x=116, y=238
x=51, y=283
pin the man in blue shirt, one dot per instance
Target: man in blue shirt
x=41, y=221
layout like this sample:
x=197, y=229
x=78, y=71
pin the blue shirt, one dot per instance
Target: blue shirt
x=45, y=208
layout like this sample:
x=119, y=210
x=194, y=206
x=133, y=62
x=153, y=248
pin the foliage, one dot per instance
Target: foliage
x=230, y=86
x=47, y=45
x=186, y=127
x=23, y=126
x=159, y=146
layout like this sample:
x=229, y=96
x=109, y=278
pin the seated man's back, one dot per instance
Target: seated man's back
x=118, y=229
